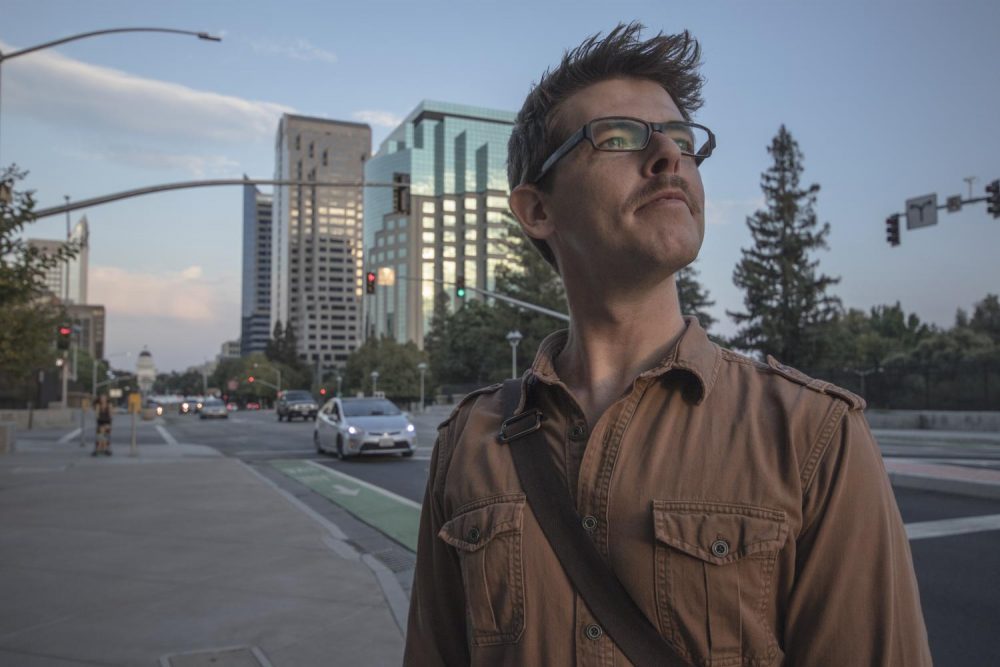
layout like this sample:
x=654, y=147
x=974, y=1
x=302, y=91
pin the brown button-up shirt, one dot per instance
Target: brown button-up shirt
x=744, y=507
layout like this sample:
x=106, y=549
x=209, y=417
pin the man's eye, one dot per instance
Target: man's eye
x=613, y=143
x=684, y=144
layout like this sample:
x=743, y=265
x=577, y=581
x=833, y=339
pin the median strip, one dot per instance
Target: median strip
x=397, y=517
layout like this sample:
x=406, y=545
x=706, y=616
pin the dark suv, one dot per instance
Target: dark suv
x=295, y=403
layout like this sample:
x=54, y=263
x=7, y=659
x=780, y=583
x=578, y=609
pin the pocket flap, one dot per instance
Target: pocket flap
x=718, y=533
x=473, y=529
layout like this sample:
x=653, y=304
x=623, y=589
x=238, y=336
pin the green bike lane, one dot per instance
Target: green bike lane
x=395, y=516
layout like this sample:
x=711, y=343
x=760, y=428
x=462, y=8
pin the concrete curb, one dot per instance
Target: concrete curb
x=395, y=596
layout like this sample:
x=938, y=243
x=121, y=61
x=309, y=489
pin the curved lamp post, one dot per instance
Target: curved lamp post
x=514, y=337
x=84, y=35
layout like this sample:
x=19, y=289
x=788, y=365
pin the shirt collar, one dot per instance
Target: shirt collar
x=694, y=356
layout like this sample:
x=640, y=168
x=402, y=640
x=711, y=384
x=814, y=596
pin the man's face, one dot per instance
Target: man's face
x=620, y=209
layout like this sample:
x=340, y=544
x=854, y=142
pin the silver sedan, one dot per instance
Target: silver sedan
x=350, y=427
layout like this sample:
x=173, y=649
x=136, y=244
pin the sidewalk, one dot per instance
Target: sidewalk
x=177, y=557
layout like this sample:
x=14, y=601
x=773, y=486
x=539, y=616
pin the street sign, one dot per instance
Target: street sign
x=954, y=203
x=921, y=211
x=134, y=402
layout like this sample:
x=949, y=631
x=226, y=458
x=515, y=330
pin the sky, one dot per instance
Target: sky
x=887, y=100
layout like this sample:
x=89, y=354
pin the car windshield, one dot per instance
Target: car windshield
x=369, y=407
x=298, y=396
x=212, y=402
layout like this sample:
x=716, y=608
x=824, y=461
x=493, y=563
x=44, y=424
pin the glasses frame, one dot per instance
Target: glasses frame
x=586, y=132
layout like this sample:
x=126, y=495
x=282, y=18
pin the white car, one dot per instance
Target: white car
x=350, y=427
x=213, y=408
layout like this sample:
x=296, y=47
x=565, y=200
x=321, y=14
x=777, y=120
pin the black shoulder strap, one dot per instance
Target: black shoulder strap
x=592, y=577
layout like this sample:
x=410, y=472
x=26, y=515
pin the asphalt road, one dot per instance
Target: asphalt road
x=958, y=573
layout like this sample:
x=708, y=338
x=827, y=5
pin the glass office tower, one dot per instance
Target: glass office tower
x=454, y=158
x=255, y=323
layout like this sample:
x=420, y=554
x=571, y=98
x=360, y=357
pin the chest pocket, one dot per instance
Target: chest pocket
x=714, y=571
x=488, y=540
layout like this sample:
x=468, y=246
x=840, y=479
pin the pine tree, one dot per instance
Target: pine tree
x=694, y=298
x=786, y=300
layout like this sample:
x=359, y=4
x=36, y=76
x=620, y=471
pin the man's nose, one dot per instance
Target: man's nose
x=663, y=155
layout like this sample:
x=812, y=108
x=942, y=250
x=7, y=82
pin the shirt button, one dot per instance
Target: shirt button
x=578, y=432
x=473, y=535
x=720, y=548
x=594, y=632
x=589, y=523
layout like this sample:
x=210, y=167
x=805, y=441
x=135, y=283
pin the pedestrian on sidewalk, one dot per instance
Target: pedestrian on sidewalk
x=102, y=443
x=642, y=495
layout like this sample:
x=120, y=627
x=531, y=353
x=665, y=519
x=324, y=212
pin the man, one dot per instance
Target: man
x=743, y=506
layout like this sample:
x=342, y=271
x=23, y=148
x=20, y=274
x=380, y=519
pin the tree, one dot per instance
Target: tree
x=694, y=298
x=30, y=314
x=787, y=308
x=396, y=364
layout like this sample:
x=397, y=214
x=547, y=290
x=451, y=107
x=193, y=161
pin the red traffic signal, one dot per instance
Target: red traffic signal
x=322, y=391
x=62, y=339
x=370, y=280
x=250, y=379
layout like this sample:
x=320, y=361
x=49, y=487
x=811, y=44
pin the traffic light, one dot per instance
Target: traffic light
x=62, y=339
x=892, y=229
x=370, y=280
x=322, y=391
x=460, y=287
x=250, y=379
x=993, y=203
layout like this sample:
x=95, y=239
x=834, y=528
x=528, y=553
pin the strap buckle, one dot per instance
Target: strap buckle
x=505, y=436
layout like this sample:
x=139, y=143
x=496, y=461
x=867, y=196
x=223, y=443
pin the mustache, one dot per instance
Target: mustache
x=661, y=184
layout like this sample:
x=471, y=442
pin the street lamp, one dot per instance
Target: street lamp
x=514, y=337
x=422, y=367
x=83, y=35
x=339, y=378
x=374, y=382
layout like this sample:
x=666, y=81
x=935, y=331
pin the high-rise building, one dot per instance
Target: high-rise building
x=316, y=241
x=454, y=158
x=68, y=280
x=89, y=323
x=255, y=324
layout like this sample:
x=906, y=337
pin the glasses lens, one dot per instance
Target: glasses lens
x=692, y=140
x=619, y=134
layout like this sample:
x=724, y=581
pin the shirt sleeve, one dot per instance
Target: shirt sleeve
x=855, y=599
x=436, y=633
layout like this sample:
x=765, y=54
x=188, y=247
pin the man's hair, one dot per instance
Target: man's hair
x=670, y=60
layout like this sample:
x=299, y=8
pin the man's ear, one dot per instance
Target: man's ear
x=531, y=209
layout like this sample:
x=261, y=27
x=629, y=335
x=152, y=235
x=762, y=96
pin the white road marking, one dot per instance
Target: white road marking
x=355, y=480
x=340, y=488
x=75, y=433
x=165, y=434
x=970, y=524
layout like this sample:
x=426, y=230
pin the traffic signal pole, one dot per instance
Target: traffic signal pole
x=951, y=205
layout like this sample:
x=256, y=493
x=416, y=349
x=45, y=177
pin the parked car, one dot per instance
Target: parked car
x=213, y=407
x=253, y=405
x=294, y=403
x=350, y=427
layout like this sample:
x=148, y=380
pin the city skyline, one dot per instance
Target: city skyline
x=885, y=105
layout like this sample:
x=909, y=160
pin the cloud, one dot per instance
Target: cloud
x=296, y=49
x=185, y=297
x=60, y=90
x=378, y=118
x=198, y=166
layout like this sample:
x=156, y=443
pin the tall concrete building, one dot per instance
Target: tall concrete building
x=255, y=323
x=68, y=280
x=316, y=241
x=89, y=321
x=455, y=160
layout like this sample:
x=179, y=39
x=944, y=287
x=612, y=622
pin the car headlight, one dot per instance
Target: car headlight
x=409, y=428
x=352, y=430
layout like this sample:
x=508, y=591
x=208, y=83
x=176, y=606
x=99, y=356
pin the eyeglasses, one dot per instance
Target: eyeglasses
x=622, y=134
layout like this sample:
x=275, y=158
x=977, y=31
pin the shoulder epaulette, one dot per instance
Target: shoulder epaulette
x=468, y=397
x=821, y=386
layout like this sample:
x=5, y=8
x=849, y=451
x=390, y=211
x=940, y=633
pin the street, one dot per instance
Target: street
x=376, y=502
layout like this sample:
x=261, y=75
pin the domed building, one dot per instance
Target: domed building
x=145, y=371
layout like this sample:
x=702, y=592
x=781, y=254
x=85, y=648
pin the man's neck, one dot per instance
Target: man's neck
x=612, y=339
